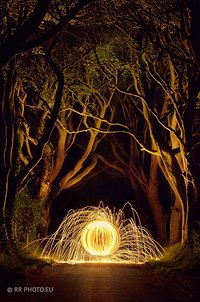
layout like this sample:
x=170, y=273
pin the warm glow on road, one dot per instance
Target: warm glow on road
x=100, y=238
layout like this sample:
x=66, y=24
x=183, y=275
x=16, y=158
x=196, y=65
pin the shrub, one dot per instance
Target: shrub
x=27, y=217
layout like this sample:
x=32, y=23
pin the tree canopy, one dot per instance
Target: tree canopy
x=114, y=83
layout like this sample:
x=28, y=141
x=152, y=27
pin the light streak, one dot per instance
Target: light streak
x=96, y=234
x=100, y=238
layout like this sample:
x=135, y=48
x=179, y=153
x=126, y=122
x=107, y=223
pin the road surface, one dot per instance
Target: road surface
x=95, y=283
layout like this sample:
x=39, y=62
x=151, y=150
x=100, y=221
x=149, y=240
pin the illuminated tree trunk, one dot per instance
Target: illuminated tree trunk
x=47, y=186
x=7, y=151
x=146, y=179
x=179, y=186
x=150, y=190
x=154, y=201
x=45, y=189
x=175, y=223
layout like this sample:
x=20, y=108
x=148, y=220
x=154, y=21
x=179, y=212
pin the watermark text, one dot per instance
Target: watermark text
x=30, y=289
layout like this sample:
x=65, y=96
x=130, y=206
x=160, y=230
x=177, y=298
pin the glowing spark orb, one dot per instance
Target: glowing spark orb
x=100, y=238
x=96, y=234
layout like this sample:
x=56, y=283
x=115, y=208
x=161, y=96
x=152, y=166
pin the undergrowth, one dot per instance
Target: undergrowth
x=21, y=264
x=180, y=257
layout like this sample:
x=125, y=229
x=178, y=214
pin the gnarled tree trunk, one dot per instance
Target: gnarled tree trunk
x=7, y=151
x=154, y=201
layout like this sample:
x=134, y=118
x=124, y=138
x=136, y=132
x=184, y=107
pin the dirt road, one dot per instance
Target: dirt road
x=96, y=283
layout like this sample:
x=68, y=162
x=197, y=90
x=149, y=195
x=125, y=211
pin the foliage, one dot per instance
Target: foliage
x=135, y=52
x=179, y=257
x=15, y=267
x=195, y=241
x=13, y=14
x=27, y=217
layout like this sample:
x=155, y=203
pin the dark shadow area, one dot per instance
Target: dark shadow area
x=109, y=283
x=113, y=190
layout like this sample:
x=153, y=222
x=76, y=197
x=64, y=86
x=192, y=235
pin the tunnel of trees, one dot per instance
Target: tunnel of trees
x=92, y=86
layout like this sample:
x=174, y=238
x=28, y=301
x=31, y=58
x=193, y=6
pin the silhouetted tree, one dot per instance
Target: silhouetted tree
x=163, y=91
x=24, y=26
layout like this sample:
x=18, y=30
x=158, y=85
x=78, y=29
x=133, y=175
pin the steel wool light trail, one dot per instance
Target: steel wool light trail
x=96, y=234
x=100, y=238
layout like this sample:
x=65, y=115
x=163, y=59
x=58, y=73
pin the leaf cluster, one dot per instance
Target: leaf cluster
x=27, y=217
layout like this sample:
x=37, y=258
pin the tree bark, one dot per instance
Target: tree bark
x=157, y=212
x=38, y=152
x=7, y=151
x=14, y=43
x=194, y=6
x=175, y=223
x=154, y=201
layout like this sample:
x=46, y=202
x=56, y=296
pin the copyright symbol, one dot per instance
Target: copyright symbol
x=9, y=289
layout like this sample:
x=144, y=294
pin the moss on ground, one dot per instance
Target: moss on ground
x=13, y=268
x=180, y=257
